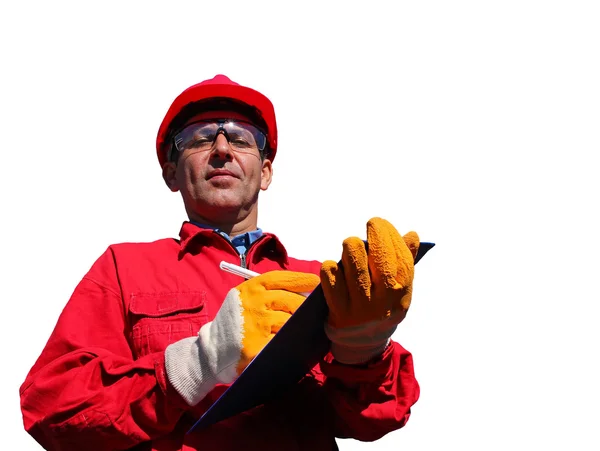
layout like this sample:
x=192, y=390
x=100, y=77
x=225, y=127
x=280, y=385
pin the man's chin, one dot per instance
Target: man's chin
x=223, y=181
x=225, y=200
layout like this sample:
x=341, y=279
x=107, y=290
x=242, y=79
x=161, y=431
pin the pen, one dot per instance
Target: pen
x=238, y=270
x=243, y=272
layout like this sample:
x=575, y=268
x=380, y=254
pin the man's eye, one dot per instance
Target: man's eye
x=240, y=142
x=199, y=142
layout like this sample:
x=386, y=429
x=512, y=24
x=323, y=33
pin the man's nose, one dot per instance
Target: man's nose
x=221, y=148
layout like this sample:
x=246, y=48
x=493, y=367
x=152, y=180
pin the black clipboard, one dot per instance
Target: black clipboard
x=298, y=346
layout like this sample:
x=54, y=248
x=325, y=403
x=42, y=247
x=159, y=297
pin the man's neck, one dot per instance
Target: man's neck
x=231, y=228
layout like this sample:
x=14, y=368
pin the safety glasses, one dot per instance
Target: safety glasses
x=242, y=136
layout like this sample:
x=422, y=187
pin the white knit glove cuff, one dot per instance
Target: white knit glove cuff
x=359, y=344
x=196, y=364
x=188, y=370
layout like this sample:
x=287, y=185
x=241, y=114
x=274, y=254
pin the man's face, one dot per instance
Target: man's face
x=220, y=184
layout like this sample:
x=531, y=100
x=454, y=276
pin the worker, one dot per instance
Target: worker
x=155, y=332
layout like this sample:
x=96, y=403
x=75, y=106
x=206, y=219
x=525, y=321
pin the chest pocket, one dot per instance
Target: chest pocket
x=160, y=319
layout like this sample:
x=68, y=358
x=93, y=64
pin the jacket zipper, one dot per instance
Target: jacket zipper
x=242, y=256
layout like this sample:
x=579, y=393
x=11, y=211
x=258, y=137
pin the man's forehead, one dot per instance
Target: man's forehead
x=218, y=114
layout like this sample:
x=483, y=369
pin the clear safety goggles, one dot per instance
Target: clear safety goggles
x=242, y=136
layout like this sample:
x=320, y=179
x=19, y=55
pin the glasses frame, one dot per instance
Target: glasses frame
x=220, y=122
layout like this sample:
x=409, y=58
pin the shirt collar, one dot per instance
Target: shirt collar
x=189, y=231
x=252, y=235
x=242, y=242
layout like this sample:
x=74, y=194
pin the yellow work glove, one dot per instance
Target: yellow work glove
x=251, y=314
x=369, y=295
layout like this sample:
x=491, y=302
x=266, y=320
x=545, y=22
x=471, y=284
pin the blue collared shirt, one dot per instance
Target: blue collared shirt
x=241, y=242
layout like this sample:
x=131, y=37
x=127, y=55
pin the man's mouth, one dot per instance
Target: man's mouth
x=220, y=173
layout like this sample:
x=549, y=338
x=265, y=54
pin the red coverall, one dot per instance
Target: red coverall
x=100, y=382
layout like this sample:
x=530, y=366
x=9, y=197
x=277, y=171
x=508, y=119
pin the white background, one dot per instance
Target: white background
x=474, y=123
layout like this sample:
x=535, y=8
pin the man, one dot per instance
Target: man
x=156, y=332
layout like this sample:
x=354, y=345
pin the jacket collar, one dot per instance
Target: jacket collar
x=189, y=232
x=268, y=242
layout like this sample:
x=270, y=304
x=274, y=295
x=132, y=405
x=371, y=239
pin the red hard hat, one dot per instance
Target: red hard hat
x=219, y=86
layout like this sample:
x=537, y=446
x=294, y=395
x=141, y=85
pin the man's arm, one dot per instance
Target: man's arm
x=86, y=391
x=370, y=379
x=374, y=398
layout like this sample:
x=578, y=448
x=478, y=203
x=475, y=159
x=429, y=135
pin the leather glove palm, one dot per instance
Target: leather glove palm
x=251, y=314
x=369, y=295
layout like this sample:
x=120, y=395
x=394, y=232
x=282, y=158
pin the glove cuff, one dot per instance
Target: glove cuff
x=359, y=344
x=188, y=370
x=196, y=364
x=353, y=355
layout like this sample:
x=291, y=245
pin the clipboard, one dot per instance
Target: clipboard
x=298, y=346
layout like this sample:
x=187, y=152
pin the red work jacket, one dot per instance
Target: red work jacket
x=100, y=382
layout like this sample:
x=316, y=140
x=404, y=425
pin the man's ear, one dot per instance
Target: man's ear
x=169, y=172
x=266, y=175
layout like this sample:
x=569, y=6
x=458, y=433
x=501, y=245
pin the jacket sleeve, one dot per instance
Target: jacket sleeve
x=86, y=391
x=373, y=399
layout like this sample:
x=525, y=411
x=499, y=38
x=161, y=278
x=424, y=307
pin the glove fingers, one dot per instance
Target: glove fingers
x=277, y=320
x=358, y=282
x=296, y=282
x=390, y=260
x=336, y=292
x=356, y=270
x=413, y=242
x=283, y=301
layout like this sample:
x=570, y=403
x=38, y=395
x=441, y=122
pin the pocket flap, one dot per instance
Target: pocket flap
x=161, y=304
